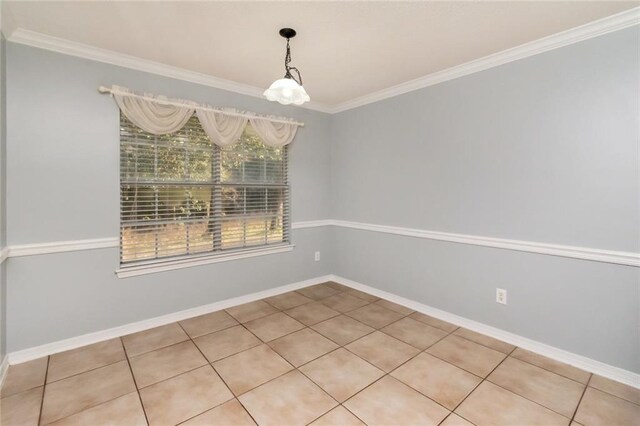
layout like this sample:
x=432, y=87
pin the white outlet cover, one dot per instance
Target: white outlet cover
x=501, y=296
x=317, y=256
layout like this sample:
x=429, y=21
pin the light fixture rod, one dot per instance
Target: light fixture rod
x=289, y=33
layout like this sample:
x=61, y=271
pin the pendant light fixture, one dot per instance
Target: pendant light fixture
x=288, y=90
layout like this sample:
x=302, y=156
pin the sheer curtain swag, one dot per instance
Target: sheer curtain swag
x=160, y=115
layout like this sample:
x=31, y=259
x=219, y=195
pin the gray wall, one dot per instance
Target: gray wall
x=57, y=296
x=63, y=142
x=3, y=228
x=543, y=149
x=63, y=145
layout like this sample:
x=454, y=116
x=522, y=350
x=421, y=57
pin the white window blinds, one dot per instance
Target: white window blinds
x=182, y=195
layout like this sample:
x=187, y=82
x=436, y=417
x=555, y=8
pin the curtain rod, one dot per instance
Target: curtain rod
x=110, y=90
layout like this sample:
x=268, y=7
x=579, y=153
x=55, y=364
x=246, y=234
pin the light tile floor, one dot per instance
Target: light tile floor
x=323, y=355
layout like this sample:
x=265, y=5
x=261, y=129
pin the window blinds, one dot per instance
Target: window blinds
x=182, y=195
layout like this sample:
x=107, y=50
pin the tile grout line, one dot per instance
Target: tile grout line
x=612, y=394
x=354, y=414
x=135, y=383
x=22, y=391
x=124, y=359
x=551, y=371
x=103, y=402
x=405, y=362
x=389, y=373
x=98, y=367
x=451, y=413
x=374, y=330
x=168, y=378
x=277, y=377
x=44, y=387
x=531, y=400
x=481, y=382
x=311, y=360
x=294, y=368
x=486, y=379
x=482, y=344
x=528, y=399
x=217, y=374
x=419, y=353
x=309, y=327
x=586, y=386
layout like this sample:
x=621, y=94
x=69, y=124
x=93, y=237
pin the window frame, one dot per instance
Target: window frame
x=215, y=184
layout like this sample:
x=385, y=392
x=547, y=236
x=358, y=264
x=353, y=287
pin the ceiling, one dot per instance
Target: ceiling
x=345, y=50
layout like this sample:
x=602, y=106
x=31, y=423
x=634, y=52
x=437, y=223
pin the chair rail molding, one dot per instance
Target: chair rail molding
x=62, y=246
x=312, y=224
x=4, y=254
x=583, y=253
x=574, y=252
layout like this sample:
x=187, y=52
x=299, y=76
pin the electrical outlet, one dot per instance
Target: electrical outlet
x=317, y=256
x=501, y=296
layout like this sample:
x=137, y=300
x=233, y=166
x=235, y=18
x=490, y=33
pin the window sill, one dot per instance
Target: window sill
x=170, y=265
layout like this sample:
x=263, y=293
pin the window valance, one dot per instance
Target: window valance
x=160, y=115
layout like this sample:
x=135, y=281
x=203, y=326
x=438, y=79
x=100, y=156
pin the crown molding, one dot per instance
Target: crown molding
x=597, y=28
x=593, y=29
x=72, y=48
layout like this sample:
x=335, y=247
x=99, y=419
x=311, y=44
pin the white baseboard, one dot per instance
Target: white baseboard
x=99, y=336
x=584, y=363
x=588, y=364
x=4, y=368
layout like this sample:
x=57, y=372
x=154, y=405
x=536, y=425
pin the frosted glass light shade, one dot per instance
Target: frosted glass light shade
x=287, y=91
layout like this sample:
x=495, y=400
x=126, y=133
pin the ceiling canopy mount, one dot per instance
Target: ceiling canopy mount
x=288, y=33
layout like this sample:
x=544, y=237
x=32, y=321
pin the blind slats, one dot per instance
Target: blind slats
x=181, y=195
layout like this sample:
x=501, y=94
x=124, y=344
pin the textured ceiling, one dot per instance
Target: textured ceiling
x=344, y=49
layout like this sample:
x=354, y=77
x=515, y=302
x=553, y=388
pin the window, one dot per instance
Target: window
x=183, y=196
